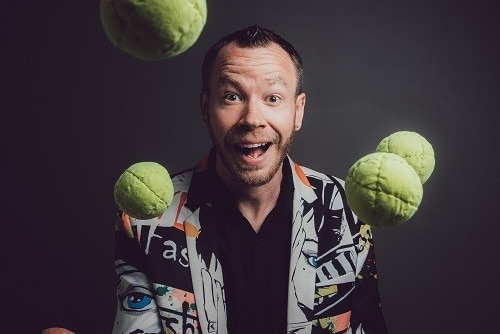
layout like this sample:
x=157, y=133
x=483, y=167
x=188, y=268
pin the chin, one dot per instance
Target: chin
x=256, y=177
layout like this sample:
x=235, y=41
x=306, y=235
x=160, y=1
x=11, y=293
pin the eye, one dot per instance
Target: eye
x=137, y=301
x=232, y=97
x=274, y=99
x=313, y=261
x=311, y=258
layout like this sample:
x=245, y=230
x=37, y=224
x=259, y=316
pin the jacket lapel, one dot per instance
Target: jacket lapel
x=206, y=273
x=304, y=249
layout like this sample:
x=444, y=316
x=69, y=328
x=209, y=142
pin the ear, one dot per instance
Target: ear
x=300, y=103
x=203, y=99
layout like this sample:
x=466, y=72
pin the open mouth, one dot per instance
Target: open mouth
x=253, y=150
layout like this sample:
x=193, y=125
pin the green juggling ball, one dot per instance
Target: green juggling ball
x=144, y=190
x=153, y=29
x=414, y=148
x=384, y=188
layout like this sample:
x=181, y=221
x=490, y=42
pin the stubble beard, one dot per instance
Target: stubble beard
x=248, y=175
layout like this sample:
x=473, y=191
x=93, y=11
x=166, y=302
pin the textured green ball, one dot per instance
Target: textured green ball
x=153, y=29
x=383, y=190
x=414, y=148
x=144, y=190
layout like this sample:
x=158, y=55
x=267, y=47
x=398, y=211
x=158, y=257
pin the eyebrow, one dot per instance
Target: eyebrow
x=277, y=80
x=225, y=79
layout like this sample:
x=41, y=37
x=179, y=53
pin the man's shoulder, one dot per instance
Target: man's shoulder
x=313, y=174
x=182, y=180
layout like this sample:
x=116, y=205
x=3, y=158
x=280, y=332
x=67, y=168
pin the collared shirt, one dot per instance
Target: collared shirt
x=256, y=265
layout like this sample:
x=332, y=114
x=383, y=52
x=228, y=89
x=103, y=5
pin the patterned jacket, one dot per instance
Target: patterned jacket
x=170, y=280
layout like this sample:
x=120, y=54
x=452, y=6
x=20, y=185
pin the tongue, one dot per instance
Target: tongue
x=253, y=152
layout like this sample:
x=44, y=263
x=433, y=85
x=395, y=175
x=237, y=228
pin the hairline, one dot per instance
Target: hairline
x=224, y=78
x=215, y=50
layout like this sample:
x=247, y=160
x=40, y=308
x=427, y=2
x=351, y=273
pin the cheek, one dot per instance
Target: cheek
x=218, y=127
x=283, y=119
x=284, y=127
x=222, y=121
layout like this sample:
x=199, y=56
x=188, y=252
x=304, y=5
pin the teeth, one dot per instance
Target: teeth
x=253, y=145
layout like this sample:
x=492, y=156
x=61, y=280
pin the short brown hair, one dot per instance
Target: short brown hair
x=249, y=37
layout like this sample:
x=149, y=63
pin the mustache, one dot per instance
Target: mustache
x=243, y=135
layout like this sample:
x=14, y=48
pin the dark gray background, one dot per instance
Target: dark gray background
x=77, y=111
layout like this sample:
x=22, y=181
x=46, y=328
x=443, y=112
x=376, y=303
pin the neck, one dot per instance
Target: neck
x=256, y=202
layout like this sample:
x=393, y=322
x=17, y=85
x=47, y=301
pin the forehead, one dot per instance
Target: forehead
x=270, y=61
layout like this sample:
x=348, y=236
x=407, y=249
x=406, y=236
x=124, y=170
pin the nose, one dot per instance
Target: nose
x=253, y=115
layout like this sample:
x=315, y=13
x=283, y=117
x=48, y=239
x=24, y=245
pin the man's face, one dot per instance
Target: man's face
x=252, y=112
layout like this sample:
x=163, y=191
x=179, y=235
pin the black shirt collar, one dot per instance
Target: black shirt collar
x=207, y=188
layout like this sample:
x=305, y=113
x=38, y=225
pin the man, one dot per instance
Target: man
x=253, y=242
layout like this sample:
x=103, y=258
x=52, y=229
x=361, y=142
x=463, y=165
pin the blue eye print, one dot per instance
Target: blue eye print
x=136, y=301
x=311, y=258
x=313, y=261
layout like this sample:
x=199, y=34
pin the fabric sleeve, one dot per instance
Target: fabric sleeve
x=367, y=316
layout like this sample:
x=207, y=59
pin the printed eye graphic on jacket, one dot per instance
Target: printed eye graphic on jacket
x=135, y=298
x=138, y=299
x=309, y=252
